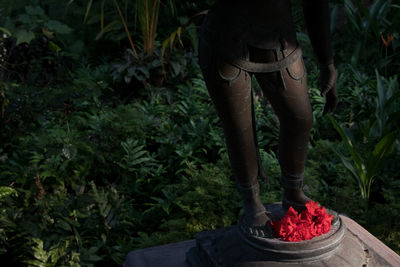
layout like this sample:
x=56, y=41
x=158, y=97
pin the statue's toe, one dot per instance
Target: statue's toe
x=250, y=229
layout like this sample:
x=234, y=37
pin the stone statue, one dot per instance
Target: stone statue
x=242, y=38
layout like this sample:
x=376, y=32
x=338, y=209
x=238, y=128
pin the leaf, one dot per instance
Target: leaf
x=24, y=36
x=164, y=47
x=102, y=15
x=6, y=191
x=127, y=79
x=368, y=19
x=377, y=13
x=89, y=5
x=34, y=11
x=53, y=47
x=334, y=18
x=344, y=133
x=26, y=20
x=347, y=163
x=144, y=70
x=380, y=153
x=63, y=225
x=58, y=27
x=179, y=33
x=380, y=114
x=113, y=25
x=138, y=161
x=47, y=33
x=350, y=11
x=5, y=31
x=355, y=58
x=147, y=11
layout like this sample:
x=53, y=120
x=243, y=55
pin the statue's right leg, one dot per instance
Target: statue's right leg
x=230, y=90
x=287, y=92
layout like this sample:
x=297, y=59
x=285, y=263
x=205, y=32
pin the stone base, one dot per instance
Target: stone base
x=358, y=248
x=249, y=248
x=338, y=247
x=349, y=253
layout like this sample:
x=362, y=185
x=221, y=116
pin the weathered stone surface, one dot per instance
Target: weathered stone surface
x=231, y=248
x=172, y=255
x=358, y=248
x=227, y=249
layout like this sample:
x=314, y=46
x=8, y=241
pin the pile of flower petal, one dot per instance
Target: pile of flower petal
x=311, y=222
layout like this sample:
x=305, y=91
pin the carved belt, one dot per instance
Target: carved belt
x=256, y=67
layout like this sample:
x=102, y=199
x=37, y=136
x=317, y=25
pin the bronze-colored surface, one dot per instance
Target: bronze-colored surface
x=239, y=39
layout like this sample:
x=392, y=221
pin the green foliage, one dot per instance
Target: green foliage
x=100, y=156
x=72, y=154
x=131, y=67
x=363, y=169
x=6, y=191
x=366, y=25
x=27, y=26
x=377, y=134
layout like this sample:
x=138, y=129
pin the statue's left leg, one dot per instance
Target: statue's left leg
x=287, y=92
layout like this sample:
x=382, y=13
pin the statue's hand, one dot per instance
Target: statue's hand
x=328, y=81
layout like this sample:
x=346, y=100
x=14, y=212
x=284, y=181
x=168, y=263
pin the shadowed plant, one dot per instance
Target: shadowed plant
x=148, y=20
x=363, y=168
x=377, y=133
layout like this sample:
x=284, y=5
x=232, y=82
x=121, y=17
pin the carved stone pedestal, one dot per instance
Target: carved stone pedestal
x=228, y=248
x=357, y=248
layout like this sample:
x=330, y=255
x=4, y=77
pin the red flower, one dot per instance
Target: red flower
x=389, y=39
x=311, y=222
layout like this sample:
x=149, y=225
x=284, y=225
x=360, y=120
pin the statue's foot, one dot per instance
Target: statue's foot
x=254, y=230
x=255, y=221
x=297, y=199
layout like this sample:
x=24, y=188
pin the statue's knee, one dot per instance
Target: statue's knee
x=298, y=122
x=304, y=121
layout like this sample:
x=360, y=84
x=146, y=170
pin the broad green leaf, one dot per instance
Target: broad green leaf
x=379, y=154
x=379, y=9
x=26, y=20
x=5, y=31
x=58, y=27
x=138, y=161
x=24, y=36
x=347, y=163
x=369, y=20
x=63, y=225
x=6, y=191
x=34, y=11
x=350, y=11
x=392, y=99
x=144, y=70
x=348, y=142
x=113, y=25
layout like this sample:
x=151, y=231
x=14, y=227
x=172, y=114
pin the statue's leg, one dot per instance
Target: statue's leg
x=230, y=90
x=287, y=92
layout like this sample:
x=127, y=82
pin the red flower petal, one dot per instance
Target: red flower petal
x=309, y=223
